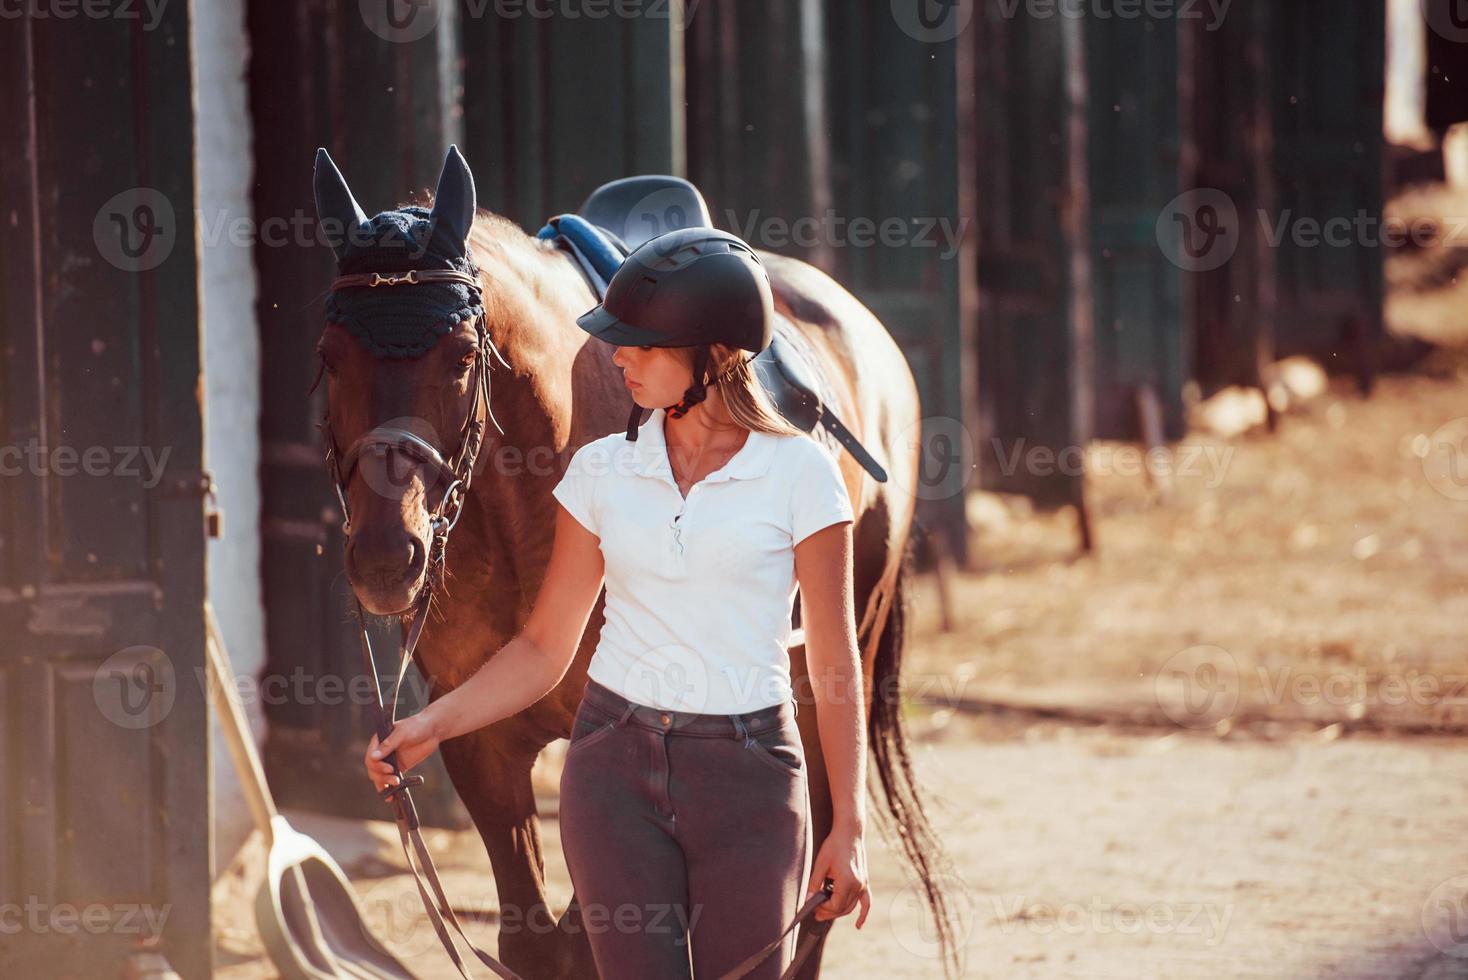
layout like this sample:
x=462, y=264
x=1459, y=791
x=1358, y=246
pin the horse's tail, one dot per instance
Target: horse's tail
x=920, y=844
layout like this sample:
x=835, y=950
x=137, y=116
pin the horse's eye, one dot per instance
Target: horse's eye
x=469, y=357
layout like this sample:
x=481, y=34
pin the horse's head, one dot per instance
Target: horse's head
x=405, y=350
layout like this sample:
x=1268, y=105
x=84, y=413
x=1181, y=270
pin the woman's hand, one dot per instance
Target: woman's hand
x=843, y=858
x=415, y=738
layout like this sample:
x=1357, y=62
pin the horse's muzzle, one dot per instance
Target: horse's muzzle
x=385, y=569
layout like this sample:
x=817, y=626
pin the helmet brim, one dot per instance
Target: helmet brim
x=604, y=326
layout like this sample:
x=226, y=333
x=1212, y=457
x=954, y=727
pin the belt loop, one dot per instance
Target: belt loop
x=739, y=730
x=627, y=712
x=797, y=705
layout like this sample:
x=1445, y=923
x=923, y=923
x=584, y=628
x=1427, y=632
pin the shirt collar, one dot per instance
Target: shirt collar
x=651, y=453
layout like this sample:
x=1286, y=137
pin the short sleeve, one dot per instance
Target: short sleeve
x=818, y=498
x=577, y=490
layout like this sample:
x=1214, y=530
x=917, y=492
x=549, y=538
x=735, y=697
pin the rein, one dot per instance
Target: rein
x=457, y=473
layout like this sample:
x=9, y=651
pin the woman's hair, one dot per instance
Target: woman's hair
x=744, y=396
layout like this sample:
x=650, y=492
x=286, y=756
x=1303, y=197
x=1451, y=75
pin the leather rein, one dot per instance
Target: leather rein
x=457, y=474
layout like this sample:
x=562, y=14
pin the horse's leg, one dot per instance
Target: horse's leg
x=494, y=783
x=869, y=558
x=906, y=814
x=819, y=789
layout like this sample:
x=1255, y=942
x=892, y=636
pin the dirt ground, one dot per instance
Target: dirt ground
x=1333, y=549
x=1224, y=745
x=1085, y=853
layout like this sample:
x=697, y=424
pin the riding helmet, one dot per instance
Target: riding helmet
x=686, y=288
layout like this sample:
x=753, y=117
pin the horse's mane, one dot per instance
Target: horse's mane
x=523, y=276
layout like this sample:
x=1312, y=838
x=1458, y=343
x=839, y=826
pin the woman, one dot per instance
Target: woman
x=684, y=813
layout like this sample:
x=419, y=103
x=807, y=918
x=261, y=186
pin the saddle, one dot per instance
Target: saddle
x=623, y=214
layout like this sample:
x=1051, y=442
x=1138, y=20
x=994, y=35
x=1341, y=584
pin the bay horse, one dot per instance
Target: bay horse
x=561, y=391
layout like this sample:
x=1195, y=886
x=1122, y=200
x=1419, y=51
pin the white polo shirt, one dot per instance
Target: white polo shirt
x=700, y=591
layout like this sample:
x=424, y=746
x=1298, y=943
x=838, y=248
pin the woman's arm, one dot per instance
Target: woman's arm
x=823, y=566
x=523, y=670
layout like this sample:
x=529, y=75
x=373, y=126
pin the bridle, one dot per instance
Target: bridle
x=381, y=440
x=456, y=473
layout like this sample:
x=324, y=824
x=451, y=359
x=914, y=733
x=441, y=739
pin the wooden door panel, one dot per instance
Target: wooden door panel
x=1134, y=173
x=108, y=809
x=893, y=104
x=1028, y=384
x=1328, y=153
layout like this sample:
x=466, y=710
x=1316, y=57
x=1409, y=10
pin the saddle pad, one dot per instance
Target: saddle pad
x=597, y=254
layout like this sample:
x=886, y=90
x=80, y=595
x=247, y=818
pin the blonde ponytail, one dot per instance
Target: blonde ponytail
x=744, y=397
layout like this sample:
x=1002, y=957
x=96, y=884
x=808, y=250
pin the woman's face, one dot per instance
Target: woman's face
x=655, y=376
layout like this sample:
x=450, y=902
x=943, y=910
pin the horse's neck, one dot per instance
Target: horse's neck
x=533, y=295
x=532, y=298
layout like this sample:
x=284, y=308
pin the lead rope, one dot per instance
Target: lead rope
x=809, y=942
x=406, y=814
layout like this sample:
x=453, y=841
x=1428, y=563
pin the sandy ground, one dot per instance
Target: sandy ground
x=1317, y=572
x=1228, y=744
x=1084, y=853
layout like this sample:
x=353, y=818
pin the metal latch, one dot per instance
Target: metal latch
x=201, y=482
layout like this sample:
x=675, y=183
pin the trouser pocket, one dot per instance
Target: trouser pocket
x=779, y=747
x=590, y=726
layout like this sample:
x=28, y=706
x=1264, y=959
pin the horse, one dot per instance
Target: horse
x=561, y=391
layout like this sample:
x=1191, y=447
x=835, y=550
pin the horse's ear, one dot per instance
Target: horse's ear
x=335, y=204
x=453, y=202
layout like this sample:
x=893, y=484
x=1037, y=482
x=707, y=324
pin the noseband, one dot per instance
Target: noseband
x=382, y=440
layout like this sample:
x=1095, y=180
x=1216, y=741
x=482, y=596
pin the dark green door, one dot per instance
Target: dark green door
x=1034, y=308
x=758, y=122
x=892, y=85
x=556, y=105
x=1231, y=283
x=106, y=833
x=1328, y=153
x=1285, y=120
x=1131, y=81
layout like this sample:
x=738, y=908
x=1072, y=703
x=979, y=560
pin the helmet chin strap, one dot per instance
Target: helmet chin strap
x=696, y=393
x=633, y=421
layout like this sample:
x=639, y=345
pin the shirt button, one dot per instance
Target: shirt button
x=666, y=720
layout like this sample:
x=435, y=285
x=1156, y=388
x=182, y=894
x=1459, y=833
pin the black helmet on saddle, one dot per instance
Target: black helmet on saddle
x=687, y=288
